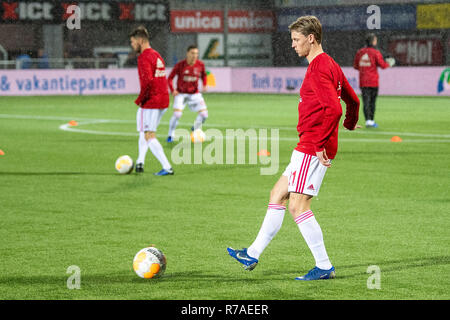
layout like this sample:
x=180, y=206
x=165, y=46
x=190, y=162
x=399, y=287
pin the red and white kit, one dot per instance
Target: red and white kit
x=367, y=60
x=319, y=112
x=153, y=99
x=187, y=85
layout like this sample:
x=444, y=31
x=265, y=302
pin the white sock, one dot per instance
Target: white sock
x=270, y=227
x=313, y=236
x=158, y=151
x=143, y=147
x=174, y=122
x=201, y=118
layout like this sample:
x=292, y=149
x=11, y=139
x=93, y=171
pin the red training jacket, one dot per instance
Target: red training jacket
x=152, y=77
x=319, y=108
x=188, y=76
x=367, y=60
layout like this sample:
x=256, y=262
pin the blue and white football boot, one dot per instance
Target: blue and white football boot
x=169, y=139
x=164, y=172
x=318, y=274
x=242, y=257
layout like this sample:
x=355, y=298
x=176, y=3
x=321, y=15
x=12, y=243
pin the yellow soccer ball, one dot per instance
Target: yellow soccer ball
x=124, y=164
x=198, y=136
x=149, y=263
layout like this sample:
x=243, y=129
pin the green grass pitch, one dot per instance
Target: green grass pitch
x=62, y=203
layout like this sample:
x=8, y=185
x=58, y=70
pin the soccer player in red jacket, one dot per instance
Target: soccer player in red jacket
x=153, y=100
x=367, y=60
x=319, y=113
x=188, y=71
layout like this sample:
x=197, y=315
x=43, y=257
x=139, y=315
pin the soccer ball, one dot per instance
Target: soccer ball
x=124, y=164
x=149, y=263
x=198, y=136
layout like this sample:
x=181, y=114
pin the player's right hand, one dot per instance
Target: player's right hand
x=390, y=61
x=175, y=92
x=323, y=158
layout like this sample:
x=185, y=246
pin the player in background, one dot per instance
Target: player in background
x=367, y=60
x=319, y=113
x=188, y=72
x=153, y=100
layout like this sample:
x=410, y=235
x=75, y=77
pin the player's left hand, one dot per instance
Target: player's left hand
x=357, y=126
x=323, y=158
x=205, y=89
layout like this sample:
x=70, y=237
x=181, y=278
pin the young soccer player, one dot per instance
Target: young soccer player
x=367, y=60
x=319, y=112
x=188, y=72
x=153, y=100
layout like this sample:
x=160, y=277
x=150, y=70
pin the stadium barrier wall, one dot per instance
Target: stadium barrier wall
x=410, y=81
x=428, y=81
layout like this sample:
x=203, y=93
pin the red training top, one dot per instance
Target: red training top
x=188, y=76
x=366, y=62
x=319, y=108
x=152, y=77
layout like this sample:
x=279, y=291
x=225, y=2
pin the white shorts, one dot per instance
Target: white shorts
x=148, y=119
x=305, y=173
x=194, y=101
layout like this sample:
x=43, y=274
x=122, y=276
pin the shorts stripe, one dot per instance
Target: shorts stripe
x=305, y=174
x=300, y=173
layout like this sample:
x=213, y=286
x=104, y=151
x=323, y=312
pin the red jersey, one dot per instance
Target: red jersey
x=367, y=60
x=152, y=77
x=188, y=76
x=319, y=109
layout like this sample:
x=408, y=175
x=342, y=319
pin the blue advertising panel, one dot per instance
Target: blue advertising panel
x=393, y=17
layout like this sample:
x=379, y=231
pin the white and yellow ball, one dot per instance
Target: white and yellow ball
x=198, y=136
x=124, y=164
x=149, y=263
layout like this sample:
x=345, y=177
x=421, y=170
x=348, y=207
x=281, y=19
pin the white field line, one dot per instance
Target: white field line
x=86, y=121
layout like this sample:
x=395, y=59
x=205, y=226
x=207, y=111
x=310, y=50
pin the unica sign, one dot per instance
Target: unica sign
x=196, y=21
x=212, y=21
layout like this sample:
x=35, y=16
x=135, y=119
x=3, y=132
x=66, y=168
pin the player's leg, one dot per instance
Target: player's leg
x=300, y=209
x=306, y=184
x=365, y=92
x=273, y=218
x=153, y=143
x=178, y=106
x=200, y=119
x=269, y=228
x=197, y=104
x=373, y=98
x=142, y=142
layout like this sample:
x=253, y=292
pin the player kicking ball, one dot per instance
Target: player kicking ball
x=153, y=100
x=319, y=112
x=188, y=72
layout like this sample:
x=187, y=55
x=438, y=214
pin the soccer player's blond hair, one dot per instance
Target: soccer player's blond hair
x=307, y=25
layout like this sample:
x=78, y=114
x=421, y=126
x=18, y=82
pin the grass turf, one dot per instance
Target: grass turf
x=63, y=204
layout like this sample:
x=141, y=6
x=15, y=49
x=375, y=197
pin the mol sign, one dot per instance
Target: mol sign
x=417, y=51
